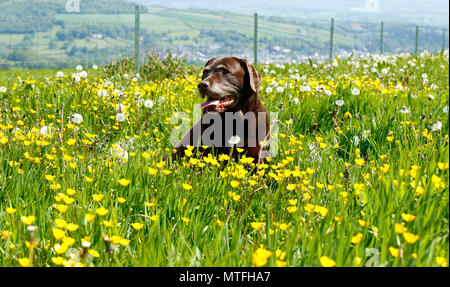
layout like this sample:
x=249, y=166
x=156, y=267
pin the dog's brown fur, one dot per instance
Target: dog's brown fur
x=230, y=75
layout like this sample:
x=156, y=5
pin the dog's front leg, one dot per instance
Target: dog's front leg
x=191, y=138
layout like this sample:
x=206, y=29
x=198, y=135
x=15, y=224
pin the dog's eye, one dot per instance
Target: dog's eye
x=205, y=73
x=224, y=71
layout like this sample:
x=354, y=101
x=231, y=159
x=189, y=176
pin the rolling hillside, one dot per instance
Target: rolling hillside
x=48, y=36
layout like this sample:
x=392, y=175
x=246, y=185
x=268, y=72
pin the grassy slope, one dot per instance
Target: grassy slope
x=304, y=234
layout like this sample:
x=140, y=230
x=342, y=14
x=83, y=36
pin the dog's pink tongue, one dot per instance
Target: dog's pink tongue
x=209, y=103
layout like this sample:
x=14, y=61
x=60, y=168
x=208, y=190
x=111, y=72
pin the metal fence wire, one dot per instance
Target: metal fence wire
x=90, y=38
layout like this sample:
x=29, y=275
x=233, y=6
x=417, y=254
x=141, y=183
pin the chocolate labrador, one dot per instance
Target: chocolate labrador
x=232, y=114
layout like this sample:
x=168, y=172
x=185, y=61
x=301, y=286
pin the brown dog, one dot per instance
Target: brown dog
x=230, y=86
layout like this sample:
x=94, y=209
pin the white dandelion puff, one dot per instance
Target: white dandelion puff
x=436, y=127
x=102, y=93
x=365, y=134
x=120, y=117
x=234, y=140
x=45, y=130
x=355, y=92
x=77, y=118
x=119, y=152
x=404, y=110
x=148, y=104
x=339, y=103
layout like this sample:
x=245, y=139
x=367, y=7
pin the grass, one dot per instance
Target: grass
x=359, y=184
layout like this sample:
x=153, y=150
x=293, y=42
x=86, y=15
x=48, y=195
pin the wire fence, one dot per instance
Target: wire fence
x=90, y=38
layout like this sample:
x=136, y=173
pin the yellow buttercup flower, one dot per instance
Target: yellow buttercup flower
x=408, y=217
x=187, y=186
x=101, y=211
x=72, y=227
x=256, y=225
x=24, y=262
x=150, y=204
x=395, y=252
x=50, y=177
x=327, y=261
x=152, y=171
x=291, y=186
x=71, y=142
x=61, y=223
x=442, y=261
x=291, y=209
x=124, y=182
x=385, y=168
x=30, y=245
x=108, y=223
x=58, y=260
x=410, y=237
x=11, y=210
x=61, y=208
x=60, y=248
x=94, y=253
x=357, y=238
x=360, y=161
x=400, y=228
x=28, y=220
x=124, y=242
x=260, y=256
x=98, y=197
x=58, y=234
x=234, y=183
x=137, y=225
x=90, y=217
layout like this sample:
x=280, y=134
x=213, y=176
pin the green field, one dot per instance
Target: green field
x=68, y=40
x=361, y=177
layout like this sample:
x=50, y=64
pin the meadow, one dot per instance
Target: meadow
x=361, y=177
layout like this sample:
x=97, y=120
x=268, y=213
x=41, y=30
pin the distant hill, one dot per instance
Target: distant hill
x=23, y=15
x=428, y=12
x=45, y=35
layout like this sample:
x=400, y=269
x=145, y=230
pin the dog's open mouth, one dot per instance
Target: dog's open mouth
x=218, y=105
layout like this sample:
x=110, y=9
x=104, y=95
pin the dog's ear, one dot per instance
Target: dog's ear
x=209, y=61
x=252, y=78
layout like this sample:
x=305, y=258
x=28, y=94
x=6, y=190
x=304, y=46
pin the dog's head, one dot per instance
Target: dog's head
x=227, y=83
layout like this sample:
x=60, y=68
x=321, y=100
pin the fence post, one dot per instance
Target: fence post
x=417, y=40
x=136, y=39
x=331, y=37
x=255, y=52
x=381, y=38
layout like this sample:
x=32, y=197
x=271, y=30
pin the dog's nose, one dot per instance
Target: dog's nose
x=202, y=86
